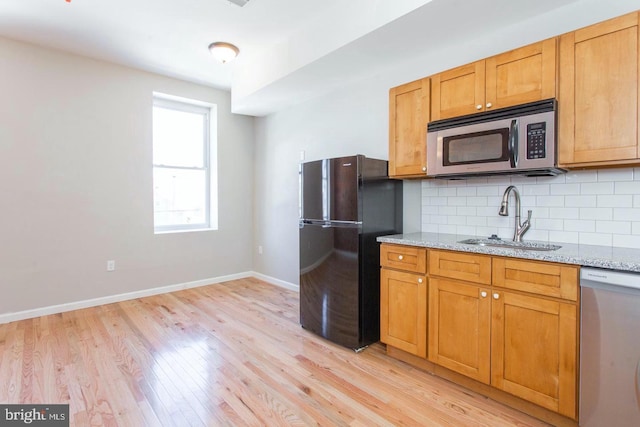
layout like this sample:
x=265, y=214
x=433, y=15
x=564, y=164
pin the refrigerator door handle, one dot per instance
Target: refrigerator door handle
x=330, y=224
x=326, y=189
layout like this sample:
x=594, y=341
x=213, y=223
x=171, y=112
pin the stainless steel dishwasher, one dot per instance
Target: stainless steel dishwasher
x=609, y=348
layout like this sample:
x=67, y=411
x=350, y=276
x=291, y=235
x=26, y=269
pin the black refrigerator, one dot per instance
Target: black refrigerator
x=345, y=204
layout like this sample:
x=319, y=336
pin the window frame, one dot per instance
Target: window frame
x=206, y=111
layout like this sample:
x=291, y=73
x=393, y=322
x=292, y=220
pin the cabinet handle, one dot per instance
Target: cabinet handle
x=496, y=296
x=489, y=105
x=479, y=107
x=400, y=257
x=420, y=280
x=483, y=294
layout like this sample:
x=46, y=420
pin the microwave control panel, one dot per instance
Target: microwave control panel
x=536, y=140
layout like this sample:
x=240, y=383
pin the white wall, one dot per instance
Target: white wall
x=76, y=183
x=355, y=120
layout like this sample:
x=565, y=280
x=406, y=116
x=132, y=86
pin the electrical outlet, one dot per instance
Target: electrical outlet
x=111, y=265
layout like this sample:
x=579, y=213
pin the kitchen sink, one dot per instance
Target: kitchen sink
x=497, y=243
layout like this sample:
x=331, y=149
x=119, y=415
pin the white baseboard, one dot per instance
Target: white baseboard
x=61, y=308
x=277, y=282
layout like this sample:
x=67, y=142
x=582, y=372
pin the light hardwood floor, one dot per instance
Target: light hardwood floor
x=226, y=354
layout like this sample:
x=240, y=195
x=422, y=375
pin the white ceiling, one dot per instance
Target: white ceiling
x=165, y=36
x=290, y=49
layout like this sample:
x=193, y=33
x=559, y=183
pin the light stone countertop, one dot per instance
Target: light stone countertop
x=623, y=259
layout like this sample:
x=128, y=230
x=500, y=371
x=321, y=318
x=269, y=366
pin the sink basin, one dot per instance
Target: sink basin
x=525, y=246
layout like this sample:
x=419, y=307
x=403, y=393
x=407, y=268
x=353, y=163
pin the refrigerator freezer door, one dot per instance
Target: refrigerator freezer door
x=314, y=204
x=330, y=189
x=343, y=199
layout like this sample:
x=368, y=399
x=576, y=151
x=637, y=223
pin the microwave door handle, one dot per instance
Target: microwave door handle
x=513, y=143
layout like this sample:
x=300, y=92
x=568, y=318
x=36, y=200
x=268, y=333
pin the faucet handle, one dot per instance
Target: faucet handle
x=527, y=223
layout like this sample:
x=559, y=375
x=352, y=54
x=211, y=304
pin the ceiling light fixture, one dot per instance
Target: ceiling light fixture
x=240, y=3
x=223, y=52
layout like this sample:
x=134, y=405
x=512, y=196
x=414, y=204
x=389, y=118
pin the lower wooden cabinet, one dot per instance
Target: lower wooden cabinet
x=459, y=327
x=403, y=311
x=534, y=350
x=505, y=322
x=537, y=277
x=521, y=344
x=462, y=266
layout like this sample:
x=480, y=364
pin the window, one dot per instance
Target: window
x=183, y=190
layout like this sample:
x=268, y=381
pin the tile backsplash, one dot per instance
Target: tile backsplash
x=592, y=207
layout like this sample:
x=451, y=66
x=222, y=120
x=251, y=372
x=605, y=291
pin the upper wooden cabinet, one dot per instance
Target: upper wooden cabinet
x=526, y=74
x=598, y=94
x=408, y=118
x=458, y=92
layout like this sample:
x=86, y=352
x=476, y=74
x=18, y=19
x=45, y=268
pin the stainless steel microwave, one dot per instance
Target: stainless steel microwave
x=516, y=140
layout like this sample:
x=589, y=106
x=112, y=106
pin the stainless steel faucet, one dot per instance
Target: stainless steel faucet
x=504, y=211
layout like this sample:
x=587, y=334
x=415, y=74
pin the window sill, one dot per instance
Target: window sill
x=184, y=231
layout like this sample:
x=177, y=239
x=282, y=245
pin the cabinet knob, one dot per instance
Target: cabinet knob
x=424, y=169
x=489, y=105
x=496, y=296
x=483, y=294
x=479, y=107
x=400, y=257
x=420, y=280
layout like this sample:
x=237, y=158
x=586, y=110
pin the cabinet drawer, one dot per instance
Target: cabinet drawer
x=542, y=278
x=461, y=266
x=405, y=258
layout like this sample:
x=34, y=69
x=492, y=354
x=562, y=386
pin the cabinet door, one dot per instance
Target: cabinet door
x=403, y=311
x=408, y=118
x=458, y=92
x=459, y=327
x=534, y=350
x=522, y=75
x=598, y=94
